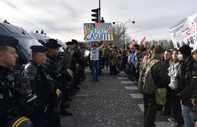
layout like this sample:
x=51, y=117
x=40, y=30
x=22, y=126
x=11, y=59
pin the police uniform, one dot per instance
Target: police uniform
x=41, y=86
x=70, y=62
x=77, y=56
x=54, y=65
x=10, y=115
x=68, y=54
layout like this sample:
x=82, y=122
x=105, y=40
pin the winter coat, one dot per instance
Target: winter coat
x=159, y=73
x=187, y=81
x=114, y=58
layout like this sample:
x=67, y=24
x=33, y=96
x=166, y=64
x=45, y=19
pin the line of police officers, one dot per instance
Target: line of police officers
x=42, y=90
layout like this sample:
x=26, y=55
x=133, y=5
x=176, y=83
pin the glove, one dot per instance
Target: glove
x=58, y=93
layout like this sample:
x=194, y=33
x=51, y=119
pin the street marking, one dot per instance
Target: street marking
x=126, y=82
x=163, y=124
x=141, y=106
x=122, y=72
x=136, y=95
x=82, y=95
x=131, y=88
x=122, y=78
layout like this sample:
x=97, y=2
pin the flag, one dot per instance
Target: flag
x=143, y=42
x=133, y=42
x=185, y=32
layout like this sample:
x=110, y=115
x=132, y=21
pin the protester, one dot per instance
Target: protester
x=161, y=80
x=150, y=51
x=94, y=59
x=145, y=55
x=194, y=53
x=167, y=62
x=186, y=82
x=105, y=57
x=124, y=60
x=175, y=101
x=113, y=61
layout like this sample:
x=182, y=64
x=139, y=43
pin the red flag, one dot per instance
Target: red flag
x=132, y=43
x=143, y=42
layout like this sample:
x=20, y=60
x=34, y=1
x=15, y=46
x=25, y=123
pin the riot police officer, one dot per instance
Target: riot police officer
x=10, y=115
x=42, y=86
x=54, y=65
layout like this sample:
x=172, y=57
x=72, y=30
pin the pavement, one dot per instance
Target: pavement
x=113, y=101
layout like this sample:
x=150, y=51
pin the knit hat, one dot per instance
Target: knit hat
x=158, y=49
x=185, y=50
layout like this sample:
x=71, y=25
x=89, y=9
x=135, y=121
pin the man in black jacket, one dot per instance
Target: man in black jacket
x=161, y=80
x=43, y=87
x=186, y=81
x=9, y=95
x=54, y=65
x=167, y=60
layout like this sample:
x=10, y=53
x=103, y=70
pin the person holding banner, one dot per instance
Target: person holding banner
x=94, y=59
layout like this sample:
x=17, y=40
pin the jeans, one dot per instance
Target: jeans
x=94, y=64
x=186, y=116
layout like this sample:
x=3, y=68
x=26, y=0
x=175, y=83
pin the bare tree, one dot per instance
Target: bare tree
x=118, y=34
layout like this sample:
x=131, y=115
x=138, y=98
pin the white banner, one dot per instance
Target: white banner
x=185, y=33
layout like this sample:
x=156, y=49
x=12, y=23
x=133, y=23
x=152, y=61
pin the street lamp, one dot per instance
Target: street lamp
x=123, y=27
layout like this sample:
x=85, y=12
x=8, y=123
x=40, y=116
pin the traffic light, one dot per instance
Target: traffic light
x=96, y=15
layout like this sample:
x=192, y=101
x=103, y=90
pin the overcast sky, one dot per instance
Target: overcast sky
x=63, y=19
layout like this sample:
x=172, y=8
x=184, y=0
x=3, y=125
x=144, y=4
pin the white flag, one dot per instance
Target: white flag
x=185, y=33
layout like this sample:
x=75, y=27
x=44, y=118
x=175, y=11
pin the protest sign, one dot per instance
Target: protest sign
x=98, y=32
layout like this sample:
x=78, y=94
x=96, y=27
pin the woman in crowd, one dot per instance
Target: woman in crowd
x=175, y=101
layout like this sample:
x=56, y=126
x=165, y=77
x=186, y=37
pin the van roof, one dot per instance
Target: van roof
x=13, y=31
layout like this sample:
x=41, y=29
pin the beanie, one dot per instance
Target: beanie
x=185, y=50
x=158, y=49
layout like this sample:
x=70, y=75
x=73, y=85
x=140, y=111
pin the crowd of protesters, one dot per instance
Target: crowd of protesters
x=175, y=70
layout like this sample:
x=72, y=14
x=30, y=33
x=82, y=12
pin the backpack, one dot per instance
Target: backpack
x=146, y=83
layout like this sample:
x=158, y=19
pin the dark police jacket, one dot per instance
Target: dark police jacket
x=41, y=84
x=54, y=65
x=68, y=58
x=187, y=81
x=8, y=93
